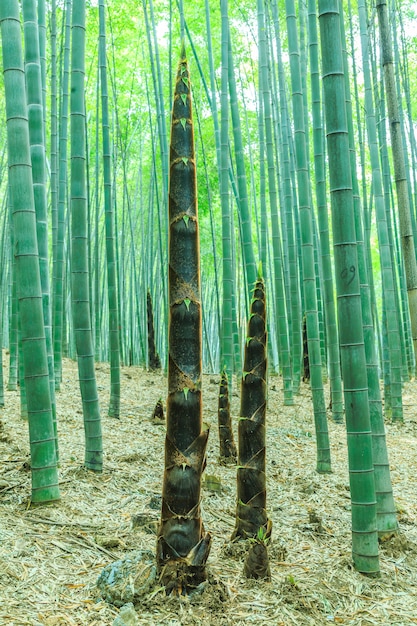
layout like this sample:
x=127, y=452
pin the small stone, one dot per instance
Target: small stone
x=127, y=616
x=128, y=579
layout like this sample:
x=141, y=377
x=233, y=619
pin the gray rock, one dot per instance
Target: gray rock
x=127, y=616
x=129, y=579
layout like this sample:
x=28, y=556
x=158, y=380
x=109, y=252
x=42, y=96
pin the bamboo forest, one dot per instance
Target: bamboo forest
x=208, y=312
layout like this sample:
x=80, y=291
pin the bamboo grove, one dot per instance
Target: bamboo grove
x=303, y=155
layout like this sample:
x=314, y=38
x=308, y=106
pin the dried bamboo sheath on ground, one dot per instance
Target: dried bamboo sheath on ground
x=182, y=544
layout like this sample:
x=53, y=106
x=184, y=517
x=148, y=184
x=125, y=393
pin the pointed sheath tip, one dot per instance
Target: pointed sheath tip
x=183, y=56
x=260, y=270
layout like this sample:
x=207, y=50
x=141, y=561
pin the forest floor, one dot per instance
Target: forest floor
x=51, y=556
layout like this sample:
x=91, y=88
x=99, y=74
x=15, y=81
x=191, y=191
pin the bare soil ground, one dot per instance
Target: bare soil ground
x=51, y=556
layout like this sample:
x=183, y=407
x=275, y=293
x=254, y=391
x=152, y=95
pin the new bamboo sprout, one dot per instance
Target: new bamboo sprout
x=154, y=361
x=228, y=451
x=251, y=516
x=182, y=544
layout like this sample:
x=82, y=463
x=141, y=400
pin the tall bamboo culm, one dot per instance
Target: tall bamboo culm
x=354, y=371
x=306, y=231
x=400, y=174
x=79, y=248
x=45, y=485
x=114, y=405
x=38, y=160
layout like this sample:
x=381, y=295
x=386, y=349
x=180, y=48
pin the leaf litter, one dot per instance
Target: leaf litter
x=51, y=556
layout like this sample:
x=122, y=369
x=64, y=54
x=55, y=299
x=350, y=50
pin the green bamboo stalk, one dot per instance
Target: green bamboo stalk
x=54, y=137
x=248, y=255
x=96, y=281
x=359, y=438
x=38, y=160
x=114, y=347
x=227, y=342
x=59, y=258
x=404, y=212
x=406, y=134
x=35, y=364
x=21, y=369
x=121, y=156
x=158, y=100
x=41, y=22
x=386, y=514
x=79, y=248
x=405, y=74
x=4, y=252
x=281, y=312
x=13, y=351
x=322, y=211
x=216, y=313
x=395, y=245
x=182, y=544
x=308, y=273
x=387, y=274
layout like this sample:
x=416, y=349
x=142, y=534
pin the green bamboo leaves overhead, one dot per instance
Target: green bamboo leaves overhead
x=35, y=365
x=359, y=438
x=182, y=544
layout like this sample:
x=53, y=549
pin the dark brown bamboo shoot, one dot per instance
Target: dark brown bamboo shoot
x=153, y=356
x=306, y=359
x=251, y=517
x=228, y=451
x=257, y=560
x=182, y=544
x=158, y=412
